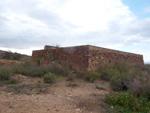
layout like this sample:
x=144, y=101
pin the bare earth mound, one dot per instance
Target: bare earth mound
x=31, y=95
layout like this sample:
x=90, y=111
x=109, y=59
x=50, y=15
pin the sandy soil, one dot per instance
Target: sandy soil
x=31, y=95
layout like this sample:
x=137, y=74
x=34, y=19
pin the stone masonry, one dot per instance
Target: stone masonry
x=84, y=58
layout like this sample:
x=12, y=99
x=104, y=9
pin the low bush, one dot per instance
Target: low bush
x=49, y=78
x=5, y=72
x=59, y=70
x=92, y=76
x=139, y=85
x=13, y=81
x=135, y=80
x=123, y=67
x=26, y=63
x=119, y=82
x=120, y=75
x=129, y=102
x=144, y=68
x=108, y=73
x=38, y=71
x=34, y=71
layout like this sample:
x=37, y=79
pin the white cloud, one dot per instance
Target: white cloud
x=27, y=24
x=22, y=51
x=91, y=15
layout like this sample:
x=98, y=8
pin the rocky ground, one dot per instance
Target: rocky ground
x=31, y=95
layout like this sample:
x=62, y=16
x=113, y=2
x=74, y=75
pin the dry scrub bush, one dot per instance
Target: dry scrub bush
x=119, y=82
x=92, y=76
x=38, y=71
x=49, y=78
x=139, y=85
x=108, y=73
x=136, y=81
x=5, y=72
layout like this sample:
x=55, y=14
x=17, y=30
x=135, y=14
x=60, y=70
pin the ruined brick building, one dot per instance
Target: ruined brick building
x=85, y=58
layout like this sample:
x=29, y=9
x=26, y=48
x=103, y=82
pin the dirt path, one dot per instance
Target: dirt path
x=30, y=95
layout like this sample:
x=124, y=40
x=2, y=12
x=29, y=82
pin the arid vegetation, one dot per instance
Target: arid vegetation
x=130, y=85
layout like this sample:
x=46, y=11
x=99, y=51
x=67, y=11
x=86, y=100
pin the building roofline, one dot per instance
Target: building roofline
x=93, y=47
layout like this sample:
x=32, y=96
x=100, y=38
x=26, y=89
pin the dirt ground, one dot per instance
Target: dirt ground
x=31, y=95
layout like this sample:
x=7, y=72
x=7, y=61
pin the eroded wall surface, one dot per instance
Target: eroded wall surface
x=74, y=57
x=102, y=56
x=83, y=58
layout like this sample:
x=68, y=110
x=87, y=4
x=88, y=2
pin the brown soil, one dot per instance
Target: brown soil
x=31, y=95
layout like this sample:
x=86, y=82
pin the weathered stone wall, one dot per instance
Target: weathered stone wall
x=83, y=58
x=37, y=56
x=49, y=47
x=102, y=56
x=77, y=57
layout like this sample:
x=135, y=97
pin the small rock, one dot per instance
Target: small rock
x=77, y=109
x=59, y=96
x=70, y=95
x=48, y=109
x=68, y=98
x=57, y=110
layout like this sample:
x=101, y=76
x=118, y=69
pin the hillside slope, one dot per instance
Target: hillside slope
x=8, y=55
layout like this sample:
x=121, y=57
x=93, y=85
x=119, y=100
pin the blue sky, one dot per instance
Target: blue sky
x=27, y=25
x=138, y=7
x=141, y=9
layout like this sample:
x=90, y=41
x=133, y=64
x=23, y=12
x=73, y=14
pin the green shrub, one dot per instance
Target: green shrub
x=26, y=63
x=144, y=68
x=5, y=72
x=34, y=71
x=38, y=71
x=49, y=78
x=108, y=73
x=129, y=102
x=28, y=70
x=119, y=82
x=19, y=69
x=123, y=67
x=13, y=81
x=59, y=70
x=92, y=76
